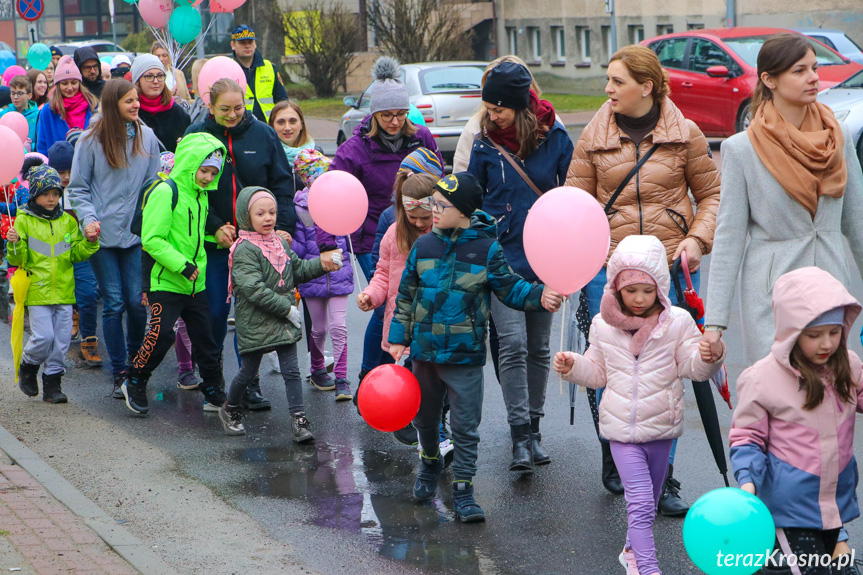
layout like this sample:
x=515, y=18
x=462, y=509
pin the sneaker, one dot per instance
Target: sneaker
x=214, y=396
x=301, y=427
x=343, y=390
x=211, y=407
x=231, y=417
x=467, y=510
x=76, y=332
x=117, y=381
x=407, y=435
x=136, y=396
x=90, y=352
x=427, y=476
x=321, y=380
x=627, y=559
x=447, y=450
x=188, y=380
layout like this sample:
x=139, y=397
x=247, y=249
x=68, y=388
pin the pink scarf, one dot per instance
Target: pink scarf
x=609, y=309
x=154, y=105
x=270, y=245
x=76, y=111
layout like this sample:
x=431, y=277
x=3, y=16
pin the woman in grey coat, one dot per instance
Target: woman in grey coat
x=792, y=185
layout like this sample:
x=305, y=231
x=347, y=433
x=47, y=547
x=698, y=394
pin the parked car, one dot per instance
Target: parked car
x=103, y=48
x=837, y=40
x=446, y=93
x=713, y=73
x=846, y=101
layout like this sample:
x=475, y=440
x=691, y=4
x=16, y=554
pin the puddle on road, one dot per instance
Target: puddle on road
x=337, y=484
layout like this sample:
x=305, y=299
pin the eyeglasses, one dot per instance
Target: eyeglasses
x=91, y=67
x=387, y=117
x=154, y=78
x=19, y=94
x=439, y=207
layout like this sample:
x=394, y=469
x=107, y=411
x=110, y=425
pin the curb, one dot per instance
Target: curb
x=126, y=545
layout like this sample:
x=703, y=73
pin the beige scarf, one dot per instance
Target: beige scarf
x=807, y=163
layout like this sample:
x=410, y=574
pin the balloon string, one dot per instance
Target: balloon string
x=356, y=265
x=562, y=328
x=9, y=212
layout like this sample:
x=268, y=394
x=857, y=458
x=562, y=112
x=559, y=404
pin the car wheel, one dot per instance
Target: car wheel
x=744, y=116
x=340, y=139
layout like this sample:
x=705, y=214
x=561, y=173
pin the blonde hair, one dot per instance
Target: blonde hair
x=157, y=45
x=196, y=71
x=643, y=65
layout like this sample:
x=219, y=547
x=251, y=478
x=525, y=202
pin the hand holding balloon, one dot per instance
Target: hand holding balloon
x=551, y=300
x=563, y=362
x=12, y=236
x=397, y=351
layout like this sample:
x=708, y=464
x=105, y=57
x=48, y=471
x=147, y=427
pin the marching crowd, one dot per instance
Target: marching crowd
x=171, y=209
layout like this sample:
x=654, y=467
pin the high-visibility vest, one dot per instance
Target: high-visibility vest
x=265, y=82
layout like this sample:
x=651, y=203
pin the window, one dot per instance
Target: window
x=557, y=37
x=535, y=45
x=607, y=43
x=583, y=35
x=451, y=79
x=664, y=29
x=824, y=40
x=705, y=54
x=694, y=26
x=671, y=52
x=636, y=34
x=512, y=36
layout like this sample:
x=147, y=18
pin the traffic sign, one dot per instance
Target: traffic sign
x=30, y=9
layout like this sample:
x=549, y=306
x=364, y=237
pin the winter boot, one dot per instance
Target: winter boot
x=76, y=332
x=252, y=399
x=322, y=381
x=301, y=427
x=51, y=388
x=90, y=351
x=27, y=381
x=231, y=417
x=670, y=502
x=466, y=507
x=522, y=456
x=343, y=389
x=540, y=457
x=426, y=483
x=610, y=476
x=407, y=435
x=135, y=392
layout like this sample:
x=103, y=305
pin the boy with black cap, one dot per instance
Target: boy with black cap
x=46, y=241
x=442, y=312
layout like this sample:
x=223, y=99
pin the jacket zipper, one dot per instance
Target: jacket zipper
x=190, y=222
x=638, y=192
x=233, y=177
x=198, y=240
x=53, y=263
x=633, y=410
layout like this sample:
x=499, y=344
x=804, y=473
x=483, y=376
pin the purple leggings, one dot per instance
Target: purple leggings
x=329, y=314
x=183, y=348
x=642, y=468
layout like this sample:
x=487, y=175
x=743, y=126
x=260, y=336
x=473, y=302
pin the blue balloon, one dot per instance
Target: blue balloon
x=726, y=531
x=39, y=56
x=7, y=59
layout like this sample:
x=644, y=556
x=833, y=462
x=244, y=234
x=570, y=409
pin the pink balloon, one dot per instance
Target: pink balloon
x=156, y=13
x=338, y=203
x=18, y=123
x=216, y=69
x=11, y=72
x=231, y=4
x=566, y=238
x=12, y=157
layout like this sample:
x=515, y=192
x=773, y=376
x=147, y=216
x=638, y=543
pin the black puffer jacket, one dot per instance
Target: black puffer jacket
x=255, y=158
x=169, y=126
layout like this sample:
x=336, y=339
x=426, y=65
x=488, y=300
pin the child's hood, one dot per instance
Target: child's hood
x=799, y=297
x=244, y=221
x=191, y=153
x=643, y=253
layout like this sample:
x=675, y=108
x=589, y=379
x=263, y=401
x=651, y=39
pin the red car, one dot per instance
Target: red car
x=713, y=73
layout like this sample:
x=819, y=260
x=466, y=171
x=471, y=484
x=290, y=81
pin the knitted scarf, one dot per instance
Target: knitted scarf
x=76, y=110
x=154, y=105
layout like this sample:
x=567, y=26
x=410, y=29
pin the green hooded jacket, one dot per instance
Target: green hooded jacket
x=176, y=240
x=261, y=307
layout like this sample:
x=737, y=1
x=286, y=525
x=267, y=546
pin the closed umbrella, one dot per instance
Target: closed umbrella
x=20, y=283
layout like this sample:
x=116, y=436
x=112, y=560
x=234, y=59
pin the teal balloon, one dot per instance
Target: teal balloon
x=106, y=59
x=185, y=24
x=185, y=2
x=7, y=59
x=129, y=1
x=39, y=56
x=730, y=522
x=415, y=116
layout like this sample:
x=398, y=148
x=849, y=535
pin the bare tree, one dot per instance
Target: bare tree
x=420, y=30
x=327, y=38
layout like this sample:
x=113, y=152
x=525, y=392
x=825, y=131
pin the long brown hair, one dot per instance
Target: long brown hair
x=777, y=55
x=167, y=95
x=303, y=138
x=55, y=100
x=813, y=384
x=643, y=65
x=33, y=74
x=416, y=186
x=408, y=128
x=528, y=130
x=110, y=129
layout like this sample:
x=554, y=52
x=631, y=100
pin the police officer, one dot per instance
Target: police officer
x=264, y=86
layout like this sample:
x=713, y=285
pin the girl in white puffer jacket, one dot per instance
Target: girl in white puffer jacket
x=641, y=349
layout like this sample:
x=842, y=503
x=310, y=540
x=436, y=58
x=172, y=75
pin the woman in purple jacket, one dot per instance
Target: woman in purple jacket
x=375, y=151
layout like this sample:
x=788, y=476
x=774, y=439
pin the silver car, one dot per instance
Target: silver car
x=103, y=48
x=447, y=94
x=836, y=39
x=846, y=101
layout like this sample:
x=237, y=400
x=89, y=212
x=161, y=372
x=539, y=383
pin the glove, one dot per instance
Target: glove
x=337, y=259
x=295, y=317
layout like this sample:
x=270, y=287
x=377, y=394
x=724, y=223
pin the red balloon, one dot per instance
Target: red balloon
x=389, y=397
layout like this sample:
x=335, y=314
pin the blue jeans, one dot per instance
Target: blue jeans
x=594, y=297
x=86, y=296
x=372, y=350
x=217, y=296
x=365, y=261
x=118, y=271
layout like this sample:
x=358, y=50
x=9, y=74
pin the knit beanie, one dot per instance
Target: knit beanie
x=143, y=63
x=388, y=92
x=835, y=316
x=507, y=85
x=60, y=155
x=422, y=161
x=214, y=160
x=631, y=277
x=310, y=164
x=43, y=178
x=66, y=70
x=73, y=135
x=55, y=51
x=120, y=60
x=166, y=162
x=463, y=191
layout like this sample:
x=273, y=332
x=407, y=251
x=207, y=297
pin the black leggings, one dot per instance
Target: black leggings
x=804, y=543
x=287, y=365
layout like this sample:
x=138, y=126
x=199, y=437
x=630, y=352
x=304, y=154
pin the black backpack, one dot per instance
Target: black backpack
x=144, y=195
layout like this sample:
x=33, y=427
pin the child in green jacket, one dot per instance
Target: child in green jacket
x=174, y=240
x=46, y=241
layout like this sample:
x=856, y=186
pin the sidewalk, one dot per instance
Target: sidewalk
x=43, y=536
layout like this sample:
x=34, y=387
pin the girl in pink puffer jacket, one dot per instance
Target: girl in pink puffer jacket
x=641, y=349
